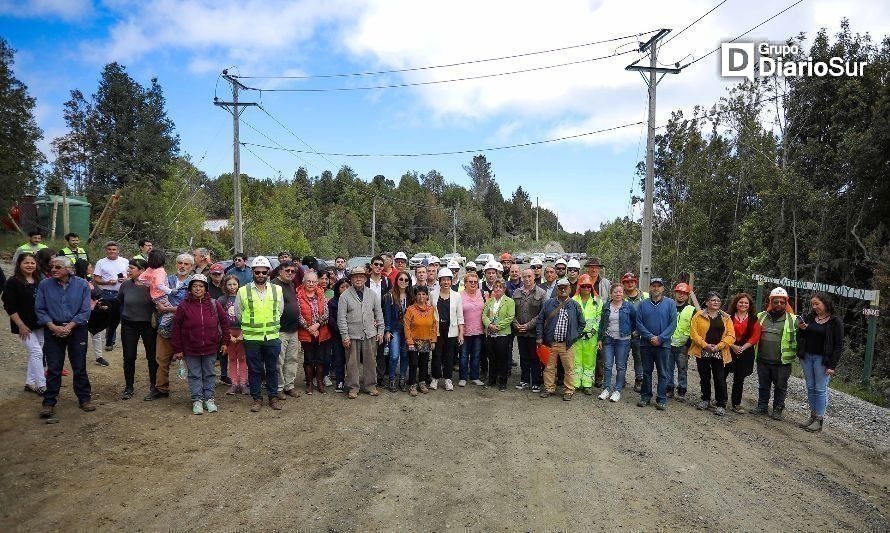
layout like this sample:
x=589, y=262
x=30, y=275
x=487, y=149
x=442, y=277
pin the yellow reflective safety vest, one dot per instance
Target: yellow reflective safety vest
x=788, y=347
x=260, y=317
x=73, y=255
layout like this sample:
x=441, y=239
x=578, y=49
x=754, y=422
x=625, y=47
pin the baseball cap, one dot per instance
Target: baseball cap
x=562, y=281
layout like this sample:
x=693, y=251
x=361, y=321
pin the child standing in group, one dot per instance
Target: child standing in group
x=155, y=278
x=237, y=358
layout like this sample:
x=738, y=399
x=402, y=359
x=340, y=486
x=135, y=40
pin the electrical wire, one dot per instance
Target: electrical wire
x=737, y=37
x=263, y=109
x=693, y=23
x=435, y=82
x=457, y=152
x=249, y=125
x=280, y=173
x=448, y=65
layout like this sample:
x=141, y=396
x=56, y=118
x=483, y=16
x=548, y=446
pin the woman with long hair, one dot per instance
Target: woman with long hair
x=747, y=334
x=19, y=297
x=44, y=258
x=395, y=303
x=820, y=344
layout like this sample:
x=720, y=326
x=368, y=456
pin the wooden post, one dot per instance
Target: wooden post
x=52, y=233
x=758, y=299
x=870, y=340
x=692, y=295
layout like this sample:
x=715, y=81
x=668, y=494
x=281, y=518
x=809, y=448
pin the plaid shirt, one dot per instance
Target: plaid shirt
x=562, y=326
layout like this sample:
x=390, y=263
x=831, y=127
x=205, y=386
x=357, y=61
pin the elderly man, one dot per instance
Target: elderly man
x=291, y=349
x=202, y=261
x=259, y=304
x=360, y=321
x=178, y=283
x=529, y=299
x=656, y=322
x=559, y=327
x=513, y=279
x=63, y=308
x=108, y=274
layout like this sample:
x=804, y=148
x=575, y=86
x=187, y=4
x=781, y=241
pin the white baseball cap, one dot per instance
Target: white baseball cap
x=401, y=255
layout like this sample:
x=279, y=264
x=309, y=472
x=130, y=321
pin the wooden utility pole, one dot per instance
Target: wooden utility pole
x=234, y=107
x=652, y=81
x=537, y=215
x=374, y=227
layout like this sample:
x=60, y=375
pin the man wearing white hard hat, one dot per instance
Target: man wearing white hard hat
x=493, y=271
x=775, y=352
x=560, y=266
x=573, y=272
x=454, y=267
x=450, y=329
x=537, y=267
x=259, y=305
x=401, y=265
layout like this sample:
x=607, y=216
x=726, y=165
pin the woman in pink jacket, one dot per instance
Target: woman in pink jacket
x=200, y=328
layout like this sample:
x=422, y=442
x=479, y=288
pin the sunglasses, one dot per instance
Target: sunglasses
x=377, y=264
x=588, y=287
x=536, y=267
x=402, y=280
x=260, y=272
x=574, y=270
x=216, y=273
x=560, y=269
x=57, y=267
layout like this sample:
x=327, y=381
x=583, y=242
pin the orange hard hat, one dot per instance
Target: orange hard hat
x=506, y=257
x=682, y=287
x=585, y=280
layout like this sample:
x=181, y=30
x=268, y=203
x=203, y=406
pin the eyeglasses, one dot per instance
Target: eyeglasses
x=260, y=272
x=574, y=270
x=588, y=287
x=377, y=264
x=57, y=267
x=288, y=270
x=471, y=282
x=402, y=280
x=239, y=259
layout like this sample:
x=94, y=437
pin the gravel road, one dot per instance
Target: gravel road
x=473, y=459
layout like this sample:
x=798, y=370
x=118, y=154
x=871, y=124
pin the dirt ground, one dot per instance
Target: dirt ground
x=474, y=459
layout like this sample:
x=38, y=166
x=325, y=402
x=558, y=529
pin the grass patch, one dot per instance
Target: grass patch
x=838, y=383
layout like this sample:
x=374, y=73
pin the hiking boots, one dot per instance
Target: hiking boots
x=777, y=414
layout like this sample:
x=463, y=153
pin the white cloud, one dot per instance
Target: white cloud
x=64, y=9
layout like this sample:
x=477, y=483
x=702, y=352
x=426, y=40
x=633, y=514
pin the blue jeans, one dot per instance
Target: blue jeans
x=679, y=360
x=470, y=357
x=615, y=353
x=201, y=376
x=398, y=355
x=817, y=383
x=262, y=356
x=657, y=357
x=338, y=359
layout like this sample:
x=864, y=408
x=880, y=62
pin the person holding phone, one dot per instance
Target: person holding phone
x=820, y=344
x=108, y=274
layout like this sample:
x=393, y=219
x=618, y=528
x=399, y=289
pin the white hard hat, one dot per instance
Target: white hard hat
x=560, y=261
x=445, y=272
x=260, y=261
x=454, y=264
x=535, y=261
x=472, y=265
x=499, y=266
x=433, y=259
x=493, y=265
x=400, y=255
x=574, y=264
x=780, y=292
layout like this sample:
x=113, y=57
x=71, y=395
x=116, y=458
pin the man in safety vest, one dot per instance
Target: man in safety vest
x=73, y=251
x=145, y=248
x=259, y=304
x=34, y=243
x=775, y=352
x=680, y=343
x=586, y=347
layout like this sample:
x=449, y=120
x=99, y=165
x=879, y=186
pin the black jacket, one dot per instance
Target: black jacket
x=19, y=297
x=834, y=341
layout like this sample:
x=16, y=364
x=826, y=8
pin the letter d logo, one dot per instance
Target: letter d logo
x=737, y=60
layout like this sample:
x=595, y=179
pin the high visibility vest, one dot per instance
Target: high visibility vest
x=788, y=347
x=259, y=317
x=80, y=253
x=140, y=256
x=591, y=312
x=28, y=247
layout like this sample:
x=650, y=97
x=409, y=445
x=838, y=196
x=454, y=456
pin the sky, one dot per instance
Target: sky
x=64, y=44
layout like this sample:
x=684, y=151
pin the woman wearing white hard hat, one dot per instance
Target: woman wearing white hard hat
x=450, y=329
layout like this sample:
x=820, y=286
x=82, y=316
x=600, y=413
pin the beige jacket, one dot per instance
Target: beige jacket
x=359, y=318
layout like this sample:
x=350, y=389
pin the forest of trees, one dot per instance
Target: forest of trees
x=785, y=177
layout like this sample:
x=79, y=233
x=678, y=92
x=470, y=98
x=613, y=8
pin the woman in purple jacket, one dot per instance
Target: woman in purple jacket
x=200, y=328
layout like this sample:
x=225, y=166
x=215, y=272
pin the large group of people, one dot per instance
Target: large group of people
x=383, y=325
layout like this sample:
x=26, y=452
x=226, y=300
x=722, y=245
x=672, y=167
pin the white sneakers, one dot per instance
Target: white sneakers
x=449, y=385
x=210, y=405
x=615, y=396
x=522, y=385
x=605, y=394
x=462, y=383
x=477, y=382
x=198, y=407
x=434, y=384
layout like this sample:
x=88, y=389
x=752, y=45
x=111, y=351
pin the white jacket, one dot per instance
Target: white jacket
x=456, y=307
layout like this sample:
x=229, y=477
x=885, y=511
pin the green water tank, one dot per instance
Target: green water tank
x=78, y=215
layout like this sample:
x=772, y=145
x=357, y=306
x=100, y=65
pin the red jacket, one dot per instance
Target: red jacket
x=324, y=333
x=199, y=327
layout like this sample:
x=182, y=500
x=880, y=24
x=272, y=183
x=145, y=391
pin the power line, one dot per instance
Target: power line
x=249, y=125
x=280, y=173
x=435, y=82
x=295, y=135
x=737, y=37
x=693, y=23
x=457, y=152
x=448, y=65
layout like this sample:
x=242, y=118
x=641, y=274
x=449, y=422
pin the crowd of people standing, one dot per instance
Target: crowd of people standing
x=384, y=325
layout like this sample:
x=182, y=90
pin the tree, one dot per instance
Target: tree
x=481, y=177
x=20, y=159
